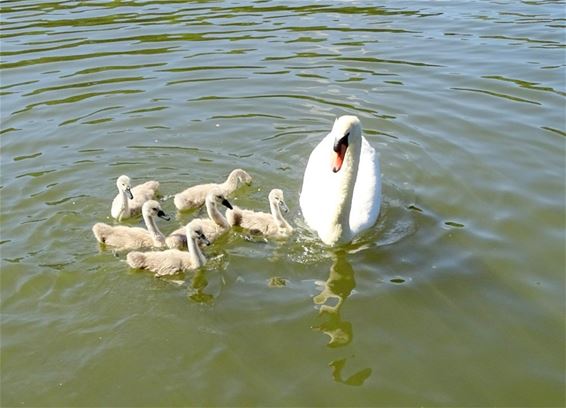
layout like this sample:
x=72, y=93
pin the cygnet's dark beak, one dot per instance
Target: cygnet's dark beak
x=203, y=238
x=129, y=193
x=161, y=214
x=226, y=204
x=283, y=206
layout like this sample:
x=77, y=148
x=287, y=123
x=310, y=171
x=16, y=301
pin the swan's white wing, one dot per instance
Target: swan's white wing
x=366, y=200
x=318, y=186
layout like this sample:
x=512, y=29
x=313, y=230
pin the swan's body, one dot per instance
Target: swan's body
x=271, y=225
x=129, y=201
x=212, y=228
x=341, y=194
x=195, y=197
x=173, y=261
x=126, y=238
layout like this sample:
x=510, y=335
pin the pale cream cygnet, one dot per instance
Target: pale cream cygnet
x=121, y=237
x=173, y=261
x=271, y=225
x=129, y=201
x=195, y=197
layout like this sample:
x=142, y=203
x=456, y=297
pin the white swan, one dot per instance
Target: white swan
x=121, y=237
x=212, y=228
x=173, y=261
x=194, y=197
x=341, y=193
x=121, y=207
x=272, y=225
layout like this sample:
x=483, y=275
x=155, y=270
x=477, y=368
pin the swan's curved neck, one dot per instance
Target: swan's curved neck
x=124, y=207
x=343, y=205
x=215, y=215
x=156, y=234
x=197, y=258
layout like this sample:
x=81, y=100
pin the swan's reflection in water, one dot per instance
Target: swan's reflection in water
x=334, y=292
x=331, y=298
x=357, y=378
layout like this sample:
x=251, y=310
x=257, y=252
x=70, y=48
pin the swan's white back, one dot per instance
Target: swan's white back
x=321, y=188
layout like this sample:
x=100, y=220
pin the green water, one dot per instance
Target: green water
x=455, y=298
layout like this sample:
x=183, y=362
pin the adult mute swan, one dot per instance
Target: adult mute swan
x=341, y=193
x=122, y=237
x=129, y=201
x=195, y=197
x=212, y=228
x=271, y=225
x=173, y=261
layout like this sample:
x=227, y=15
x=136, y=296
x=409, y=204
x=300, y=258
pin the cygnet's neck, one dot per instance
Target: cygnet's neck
x=158, y=237
x=124, y=207
x=231, y=182
x=277, y=216
x=197, y=258
x=215, y=215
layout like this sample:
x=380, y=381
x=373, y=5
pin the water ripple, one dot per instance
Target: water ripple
x=497, y=94
x=289, y=96
x=78, y=98
x=67, y=58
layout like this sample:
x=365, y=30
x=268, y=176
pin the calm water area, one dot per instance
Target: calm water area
x=455, y=298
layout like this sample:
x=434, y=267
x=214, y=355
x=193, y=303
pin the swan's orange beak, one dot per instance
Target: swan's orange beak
x=339, y=154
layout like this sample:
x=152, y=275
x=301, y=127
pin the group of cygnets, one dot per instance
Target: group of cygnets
x=184, y=253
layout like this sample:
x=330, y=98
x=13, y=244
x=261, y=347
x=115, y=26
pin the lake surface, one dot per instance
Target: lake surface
x=455, y=298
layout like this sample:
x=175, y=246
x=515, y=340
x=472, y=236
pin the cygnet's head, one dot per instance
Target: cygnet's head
x=152, y=209
x=123, y=184
x=243, y=176
x=276, y=197
x=195, y=231
x=347, y=131
x=216, y=197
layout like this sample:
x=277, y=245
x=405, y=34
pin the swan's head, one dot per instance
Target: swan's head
x=152, y=209
x=242, y=176
x=195, y=231
x=276, y=198
x=123, y=184
x=347, y=131
x=216, y=197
